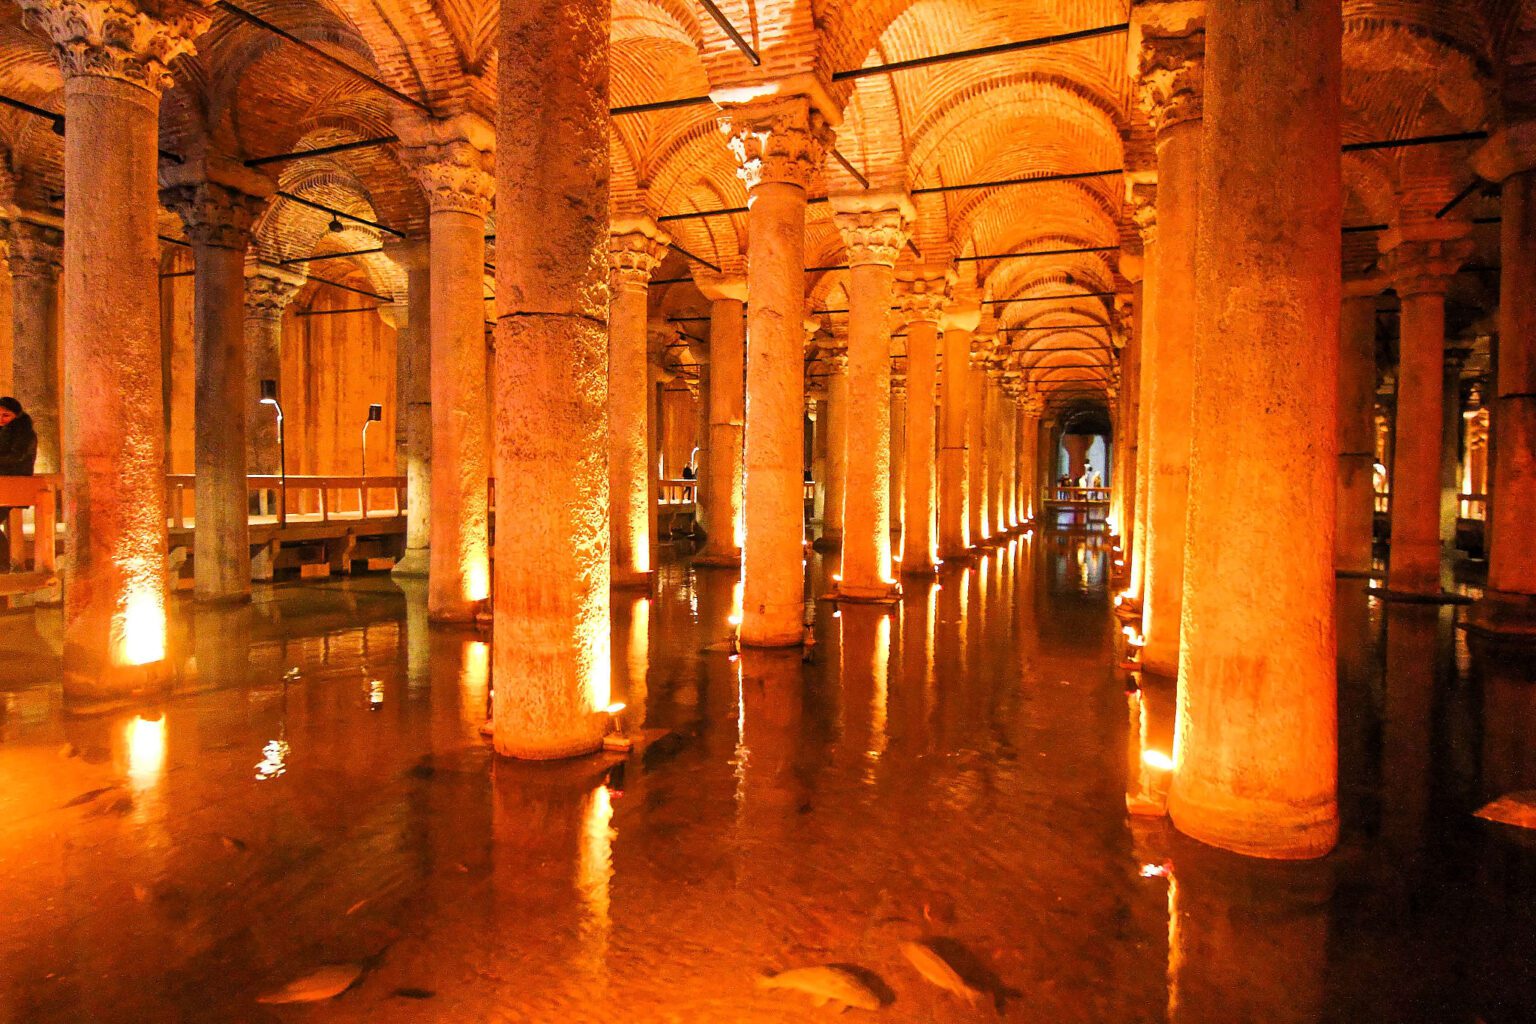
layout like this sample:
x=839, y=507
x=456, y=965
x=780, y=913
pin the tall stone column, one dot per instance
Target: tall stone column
x=451, y=160
x=550, y=643
x=1356, y=427
x=835, y=360
x=1421, y=270
x=960, y=322
x=979, y=522
x=7, y=321
x=727, y=294
x=636, y=248
x=1008, y=437
x=898, y=475
x=115, y=60
x=268, y=290
x=780, y=145
x=997, y=458
x=921, y=300
x=1031, y=407
x=36, y=256
x=1255, y=746
x=874, y=228
x=413, y=403
x=1170, y=91
x=217, y=203
x=1509, y=602
x=1122, y=477
x=1144, y=215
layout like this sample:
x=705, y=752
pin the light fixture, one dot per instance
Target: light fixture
x=375, y=415
x=269, y=397
x=336, y=224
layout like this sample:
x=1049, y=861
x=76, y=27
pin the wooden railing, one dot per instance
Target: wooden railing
x=40, y=494
x=1077, y=495
x=676, y=492
x=179, y=486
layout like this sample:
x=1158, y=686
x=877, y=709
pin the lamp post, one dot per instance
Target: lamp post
x=269, y=397
x=375, y=414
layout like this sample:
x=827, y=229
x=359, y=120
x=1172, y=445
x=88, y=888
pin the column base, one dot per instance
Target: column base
x=771, y=640
x=216, y=600
x=460, y=614
x=717, y=560
x=1418, y=597
x=921, y=571
x=629, y=579
x=113, y=688
x=1503, y=616
x=885, y=594
x=830, y=540
x=1268, y=830
x=413, y=564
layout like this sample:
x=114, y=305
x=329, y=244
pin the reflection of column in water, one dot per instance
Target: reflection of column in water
x=221, y=642
x=916, y=688
x=1358, y=665
x=1247, y=939
x=637, y=662
x=771, y=709
x=1509, y=708
x=418, y=645
x=474, y=685
x=1407, y=743
x=866, y=658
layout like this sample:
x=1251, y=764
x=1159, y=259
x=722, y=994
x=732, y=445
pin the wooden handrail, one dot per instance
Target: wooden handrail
x=179, y=485
x=40, y=494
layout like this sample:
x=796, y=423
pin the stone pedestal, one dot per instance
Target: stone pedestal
x=217, y=203
x=960, y=322
x=1169, y=87
x=636, y=248
x=413, y=404
x=874, y=229
x=921, y=300
x=727, y=416
x=451, y=159
x=1255, y=746
x=780, y=144
x=35, y=260
x=1355, y=515
x=551, y=642
x=1421, y=269
x=115, y=61
x=1509, y=603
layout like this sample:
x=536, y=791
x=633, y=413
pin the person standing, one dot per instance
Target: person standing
x=18, y=456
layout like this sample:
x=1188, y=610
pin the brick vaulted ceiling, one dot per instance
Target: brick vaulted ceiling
x=1412, y=67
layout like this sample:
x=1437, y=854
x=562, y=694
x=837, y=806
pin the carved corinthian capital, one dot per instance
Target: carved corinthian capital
x=133, y=41
x=923, y=297
x=1170, y=78
x=214, y=214
x=636, y=248
x=35, y=250
x=875, y=226
x=268, y=290
x=783, y=140
x=453, y=159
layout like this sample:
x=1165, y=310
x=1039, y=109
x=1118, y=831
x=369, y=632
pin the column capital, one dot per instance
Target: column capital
x=875, y=226
x=37, y=251
x=452, y=159
x=1170, y=75
x=963, y=312
x=834, y=359
x=1508, y=151
x=923, y=296
x=268, y=290
x=1419, y=262
x=1141, y=198
x=1032, y=403
x=721, y=287
x=408, y=253
x=899, y=385
x=218, y=203
x=777, y=140
x=636, y=247
x=128, y=40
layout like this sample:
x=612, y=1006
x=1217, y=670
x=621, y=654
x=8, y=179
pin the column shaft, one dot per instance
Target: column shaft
x=978, y=522
x=1414, y=561
x=1147, y=372
x=414, y=406
x=221, y=545
x=459, y=578
x=918, y=547
x=1029, y=465
x=1255, y=747
x=631, y=401
x=838, y=467
x=866, y=565
x=954, y=454
x=1357, y=435
x=898, y=475
x=551, y=643
x=727, y=413
x=35, y=339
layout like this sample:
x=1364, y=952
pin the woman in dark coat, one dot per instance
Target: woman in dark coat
x=18, y=456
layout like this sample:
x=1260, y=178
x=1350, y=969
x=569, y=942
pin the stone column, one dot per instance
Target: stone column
x=1356, y=429
x=875, y=228
x=35, y=260
x=451, y=159
x=960, y=322
x=996, y=457
x=1421, y=270
x=1031, y=408
x=636, y=248
x=550, y=640
x=1008, y=437
x=1144, y=214
x=921, y=300
x=835, y=361
x=1123, y=472
x=115, y=59
x=1509, y=603
x=268, y=290
x=780, y=145
x=898, y=476
x=1169, y=89
x=414, y=403
x=978, y=519
x=816, y=412
x=217, y=203
x=1255, y=742
x=727, y=415
x=7, y=321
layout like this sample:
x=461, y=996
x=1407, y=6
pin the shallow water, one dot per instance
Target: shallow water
x=955, y=768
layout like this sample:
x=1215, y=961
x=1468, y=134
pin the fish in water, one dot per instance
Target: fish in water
x=1518, y=809
x=938, y=971
x=824, y=985
x=89, y=795
x=330, y=980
